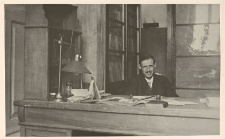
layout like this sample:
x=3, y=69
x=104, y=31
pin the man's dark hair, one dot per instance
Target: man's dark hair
x=145, y=57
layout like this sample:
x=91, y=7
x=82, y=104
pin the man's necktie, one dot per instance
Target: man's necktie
x=150, y=85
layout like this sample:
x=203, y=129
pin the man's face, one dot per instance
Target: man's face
x=147, y=67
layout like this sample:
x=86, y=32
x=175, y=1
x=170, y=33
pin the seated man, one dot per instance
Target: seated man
x=149, y=83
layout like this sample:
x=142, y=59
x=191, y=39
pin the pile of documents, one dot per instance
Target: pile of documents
x=80, y=95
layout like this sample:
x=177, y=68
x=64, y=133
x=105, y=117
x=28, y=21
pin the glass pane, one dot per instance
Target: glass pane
x=132, y=68
x=198, y=40
x=132, y=12
x=132, y=40
x=197, y=13
x=116, y=11
x=198, y=72
x=116, y=36
x=116, y=67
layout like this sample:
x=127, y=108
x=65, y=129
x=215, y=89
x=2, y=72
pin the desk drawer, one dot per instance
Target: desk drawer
x=31, y=131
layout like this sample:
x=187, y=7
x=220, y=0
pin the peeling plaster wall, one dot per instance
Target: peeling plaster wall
x=198, y=50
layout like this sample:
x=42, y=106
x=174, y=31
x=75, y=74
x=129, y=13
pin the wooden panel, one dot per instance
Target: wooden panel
x=22, y=131
x=93, y=20
x=11, y=119
x=7, y=70
x=132, y=66
x=197, y=13
x=14, y=61
x=198, y=72
x=36, y=64
x=17, y=65
x=198, y=40
x=123, y=123
x=191, y=111
x=154, y=42
x=171, y=50
x=35, y=131
x=46, y=132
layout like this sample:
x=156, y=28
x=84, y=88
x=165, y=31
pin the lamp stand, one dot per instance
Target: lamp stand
x=58, y=97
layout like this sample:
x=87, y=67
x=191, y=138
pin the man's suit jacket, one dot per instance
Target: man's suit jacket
x=161, y=86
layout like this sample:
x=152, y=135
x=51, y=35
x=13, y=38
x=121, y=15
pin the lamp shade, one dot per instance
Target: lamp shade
x=76, y=66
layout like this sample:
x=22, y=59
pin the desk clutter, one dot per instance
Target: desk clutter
x=89, y=96
x=93, y=95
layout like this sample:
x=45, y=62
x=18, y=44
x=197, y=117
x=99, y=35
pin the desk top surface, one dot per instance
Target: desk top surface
x=200, y=110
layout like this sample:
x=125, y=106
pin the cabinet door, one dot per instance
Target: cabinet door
x=122, y=49
x=14, y=63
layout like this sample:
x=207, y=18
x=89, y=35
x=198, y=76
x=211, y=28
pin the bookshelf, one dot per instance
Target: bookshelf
x=122, y=46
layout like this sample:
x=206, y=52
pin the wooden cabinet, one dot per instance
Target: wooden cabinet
x=122, y=47
x=44, y=24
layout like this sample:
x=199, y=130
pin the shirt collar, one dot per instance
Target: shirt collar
x=149, y=80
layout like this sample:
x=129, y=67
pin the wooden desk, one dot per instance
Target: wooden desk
x=45, y=118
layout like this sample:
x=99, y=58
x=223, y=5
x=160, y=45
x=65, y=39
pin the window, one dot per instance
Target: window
x=197, y=37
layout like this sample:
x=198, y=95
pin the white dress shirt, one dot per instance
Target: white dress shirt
x=150, y=81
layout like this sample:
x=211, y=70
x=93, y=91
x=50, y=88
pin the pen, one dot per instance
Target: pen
x=147, y=97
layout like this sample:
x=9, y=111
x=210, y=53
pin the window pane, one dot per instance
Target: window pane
x=198, y=40
x=197, y=13
x=132, y=68
x=132, y=40
x=116, y=67
x=132, y=13
x=198, y=72
x=116, y=11
x=116, y=36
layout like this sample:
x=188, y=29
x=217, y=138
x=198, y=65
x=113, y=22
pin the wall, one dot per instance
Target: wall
x=157, y=11
x=92, y=18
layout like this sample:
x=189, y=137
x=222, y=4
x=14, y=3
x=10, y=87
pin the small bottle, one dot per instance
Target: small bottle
x=158, y=97
x=68, y=89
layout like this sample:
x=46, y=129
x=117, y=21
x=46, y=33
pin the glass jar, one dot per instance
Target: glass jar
x=68, y=89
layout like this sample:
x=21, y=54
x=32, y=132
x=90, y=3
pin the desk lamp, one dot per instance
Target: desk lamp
x=76, y=67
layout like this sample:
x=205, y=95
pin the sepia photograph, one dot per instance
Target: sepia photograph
x=103, y=70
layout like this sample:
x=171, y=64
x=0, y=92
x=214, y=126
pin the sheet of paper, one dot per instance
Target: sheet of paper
x=80, y=92
x=211, y=101
x=140, y=97
x=180, y=103
x=113, y=98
